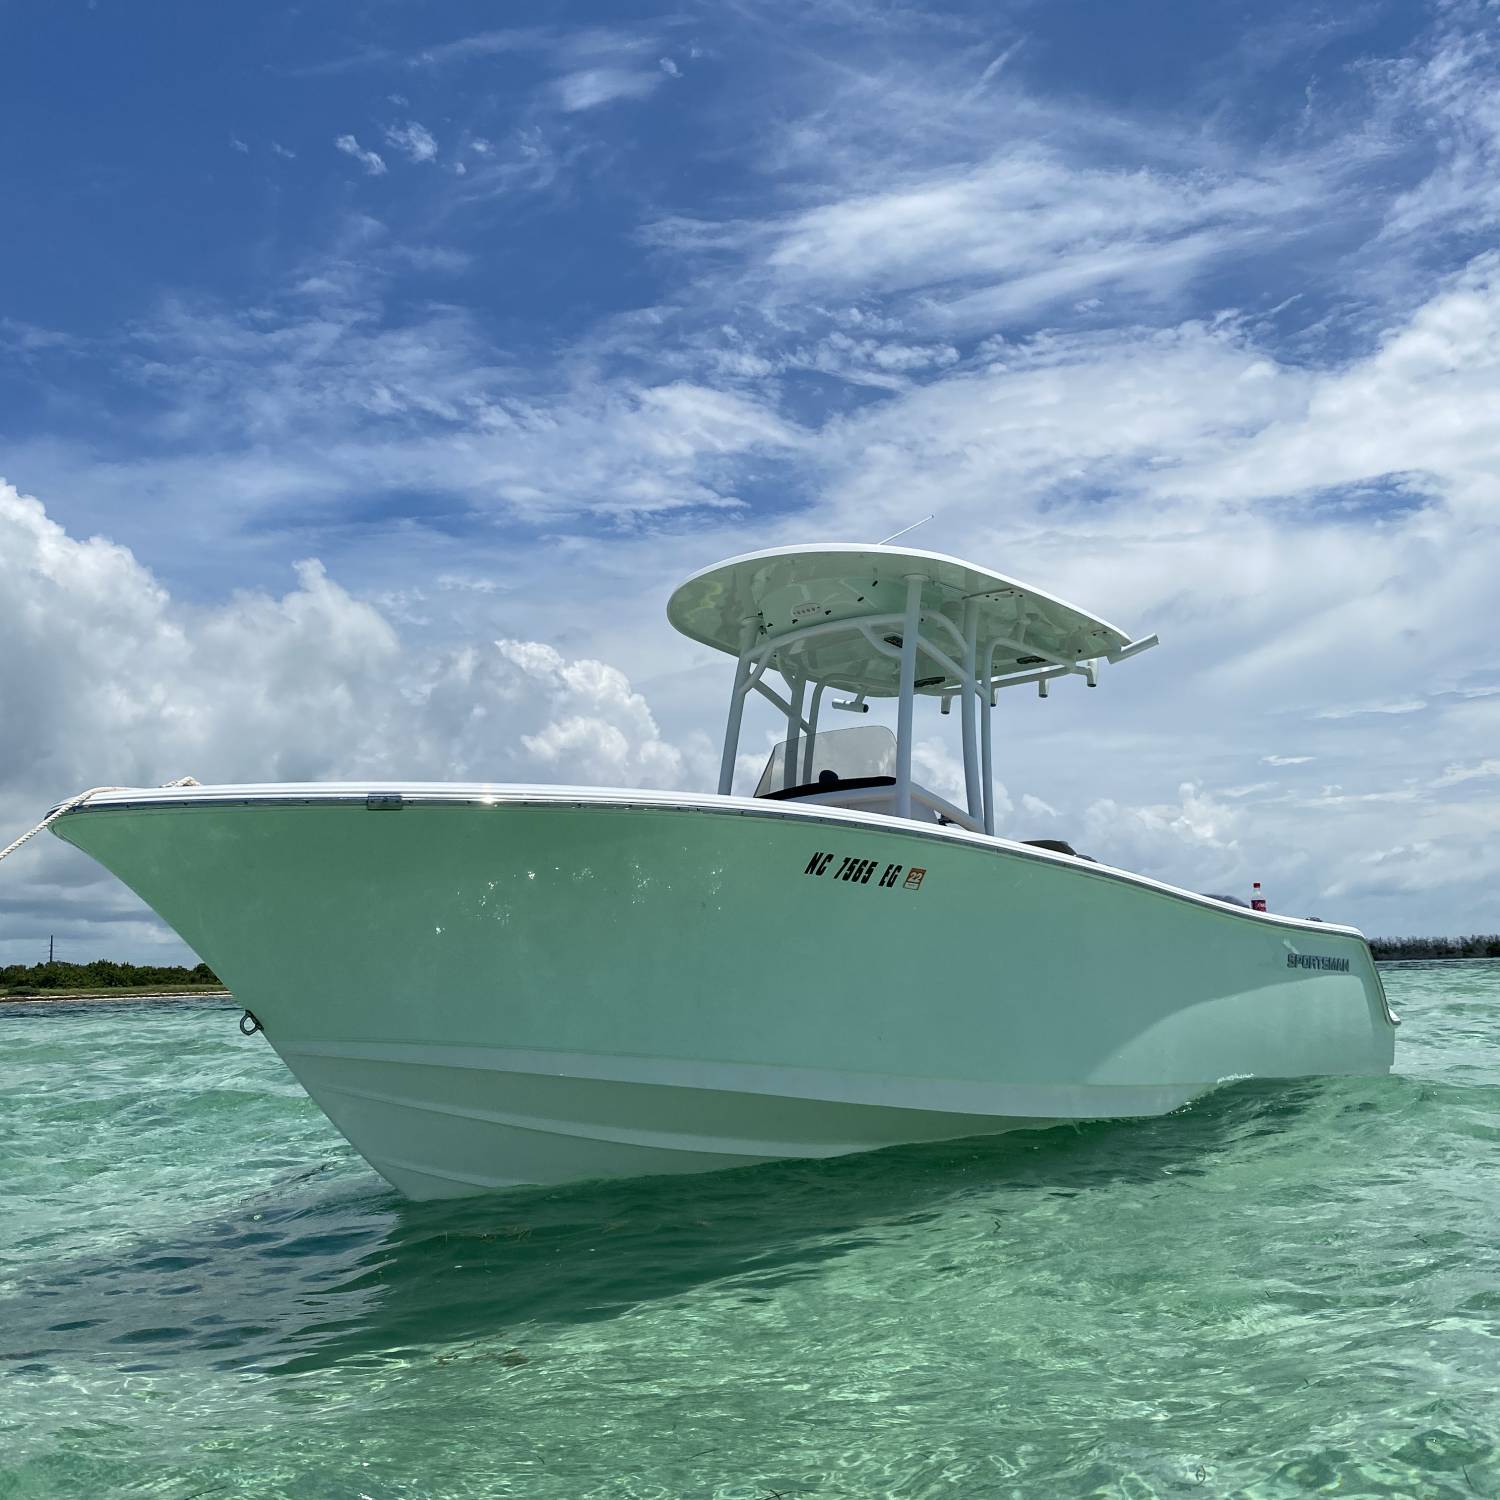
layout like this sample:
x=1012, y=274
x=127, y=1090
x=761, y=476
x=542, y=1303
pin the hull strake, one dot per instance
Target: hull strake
x=473, y=1121
x=560, y=1116
x=544, y=989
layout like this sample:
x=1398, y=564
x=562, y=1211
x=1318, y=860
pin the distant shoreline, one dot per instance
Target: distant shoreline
x=160, y=992
x=1446, y=958
x=124, y=992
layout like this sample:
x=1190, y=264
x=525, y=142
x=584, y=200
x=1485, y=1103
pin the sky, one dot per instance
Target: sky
x=370, y=374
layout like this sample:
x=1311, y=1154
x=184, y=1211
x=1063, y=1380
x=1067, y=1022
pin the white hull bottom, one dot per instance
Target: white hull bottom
x=437, y=1122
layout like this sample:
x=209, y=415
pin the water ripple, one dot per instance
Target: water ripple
x=1282, y=1290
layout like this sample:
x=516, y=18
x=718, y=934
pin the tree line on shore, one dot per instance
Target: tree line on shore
x=1475, y=946
x=101, y=974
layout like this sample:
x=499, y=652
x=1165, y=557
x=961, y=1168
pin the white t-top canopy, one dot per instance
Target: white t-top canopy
x=849, y=588
x=885, y=622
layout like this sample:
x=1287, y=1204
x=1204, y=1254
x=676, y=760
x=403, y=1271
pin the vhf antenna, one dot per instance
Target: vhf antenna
x=892, y=537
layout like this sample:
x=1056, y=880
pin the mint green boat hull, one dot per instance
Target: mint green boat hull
x=490, y=986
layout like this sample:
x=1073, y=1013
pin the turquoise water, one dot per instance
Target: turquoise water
x=1284, y=1290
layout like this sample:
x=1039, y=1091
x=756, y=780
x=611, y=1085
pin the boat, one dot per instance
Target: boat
x=490, y=985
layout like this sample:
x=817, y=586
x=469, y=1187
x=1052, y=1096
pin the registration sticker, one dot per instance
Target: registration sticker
x=913, y=881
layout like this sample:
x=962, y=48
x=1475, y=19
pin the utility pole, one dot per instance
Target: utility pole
x=49, y=947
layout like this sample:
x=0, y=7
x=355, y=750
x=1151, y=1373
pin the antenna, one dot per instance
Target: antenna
x=892, y=537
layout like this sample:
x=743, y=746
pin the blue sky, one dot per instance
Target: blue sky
x=511, y=318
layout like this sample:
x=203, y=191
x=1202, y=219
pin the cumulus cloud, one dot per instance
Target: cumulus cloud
x=600, y=731
x=371, y=161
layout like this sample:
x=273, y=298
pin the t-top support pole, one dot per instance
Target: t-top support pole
x=791, y=761
x=970, y=704
x=986, y=733
x=810, y=739
x=911, y=625
x=748, y=627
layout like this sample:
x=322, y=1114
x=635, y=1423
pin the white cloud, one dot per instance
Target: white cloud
x=470, y=584
x=1447, y=99
x=588, y=88
x=1348, y=711
x=1456, y=775
x=1023, y=229
x=598, y=729
x=992, y=70
x=351, y=402
x=1285, y=760
x=414, y=140
x=371, y=161
x=31, y=339
x=1420, y=869
x=441, y=258
x=486, y=44
x=1195, y=837
x=936, y=766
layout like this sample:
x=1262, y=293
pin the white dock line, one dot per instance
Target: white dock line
x=78, y=801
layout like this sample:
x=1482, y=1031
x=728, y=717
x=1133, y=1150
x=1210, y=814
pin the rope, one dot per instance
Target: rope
x=76, y=802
